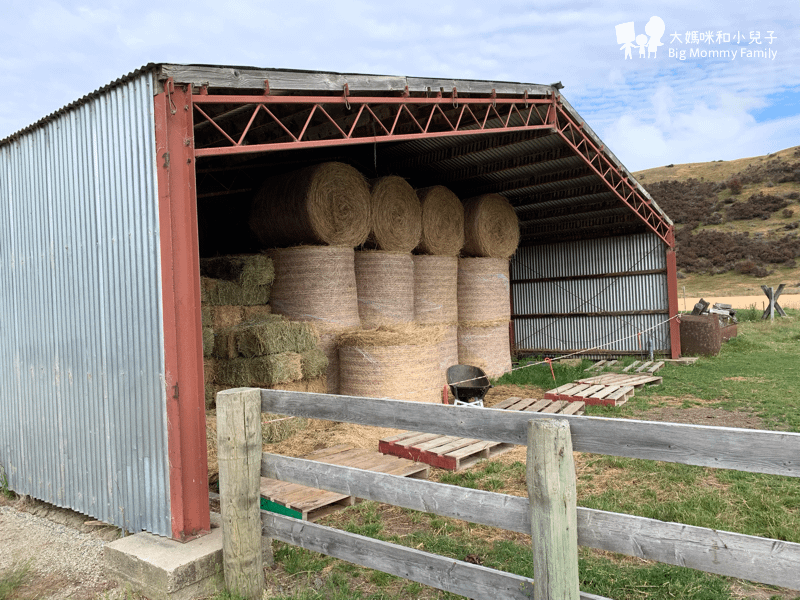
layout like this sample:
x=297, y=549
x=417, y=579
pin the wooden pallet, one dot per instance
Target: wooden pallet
x=630, y=379
x=592, y=393
x=636, y=366
x=311, y=504
x=456, y=453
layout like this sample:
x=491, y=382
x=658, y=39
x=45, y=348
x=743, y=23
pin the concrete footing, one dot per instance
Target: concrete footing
x=163, y=569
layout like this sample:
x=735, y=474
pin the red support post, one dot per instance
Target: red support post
x=672, y=299
x=183, y=339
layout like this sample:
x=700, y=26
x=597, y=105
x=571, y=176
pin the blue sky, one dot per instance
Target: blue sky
x=650, y=111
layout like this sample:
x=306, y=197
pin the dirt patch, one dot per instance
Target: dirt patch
x=703, y=416
x=63, y=553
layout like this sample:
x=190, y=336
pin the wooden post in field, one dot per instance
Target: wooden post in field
x=239, y=455
x=554, y=520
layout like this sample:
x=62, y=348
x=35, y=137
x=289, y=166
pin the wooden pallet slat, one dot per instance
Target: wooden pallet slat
x=313, y=503
x=456, y=454
x=631, y=366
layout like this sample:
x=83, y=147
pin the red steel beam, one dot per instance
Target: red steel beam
x=672, y=299
x=556, y=118
x=183, y=339
x=615, y=180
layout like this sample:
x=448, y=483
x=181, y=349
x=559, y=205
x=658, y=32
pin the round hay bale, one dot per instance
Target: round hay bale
x=318, y=284
x=435, y=289
x=397, y=363
x=442, y=221
x=322, y=204
x=491, y=227
x=485, y=345
x=448, y=350
x=328, y=345
x=385, y=284
x=395, y=215
x=484, y=290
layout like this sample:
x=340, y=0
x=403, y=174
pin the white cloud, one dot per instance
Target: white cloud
x=723, y=131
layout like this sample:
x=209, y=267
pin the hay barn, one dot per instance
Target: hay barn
x=114, y=203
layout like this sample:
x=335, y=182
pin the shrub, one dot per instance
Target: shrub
x=735, y=186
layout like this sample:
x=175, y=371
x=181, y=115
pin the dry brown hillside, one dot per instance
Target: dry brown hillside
x=733, y=218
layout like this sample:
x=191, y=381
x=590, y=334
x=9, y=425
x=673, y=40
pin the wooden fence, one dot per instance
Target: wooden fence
x=549, y=514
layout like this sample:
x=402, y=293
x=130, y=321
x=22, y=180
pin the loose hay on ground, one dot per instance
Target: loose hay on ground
x=442, y=221
x=327, y=203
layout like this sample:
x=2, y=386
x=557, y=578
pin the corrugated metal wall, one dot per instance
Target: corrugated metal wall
x=82, y=402
x=562, y=296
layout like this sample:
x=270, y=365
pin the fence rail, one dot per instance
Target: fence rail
x=748, y=557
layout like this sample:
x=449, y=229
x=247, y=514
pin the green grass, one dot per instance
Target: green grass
x=13, y=579
x=754, y=373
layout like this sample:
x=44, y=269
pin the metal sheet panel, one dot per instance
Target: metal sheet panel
x=574, y=283
x=83, y=407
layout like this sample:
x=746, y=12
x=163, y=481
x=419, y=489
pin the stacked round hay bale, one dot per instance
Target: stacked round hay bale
x=391, y=362
x=385, y=271
x=436, y=268
x=317, y=284
x=484, y=292
x=435, y=303
x=328, y=204
x=233, y=289
x=385, y=285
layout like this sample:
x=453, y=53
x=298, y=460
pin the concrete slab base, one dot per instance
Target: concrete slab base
x=163, y=569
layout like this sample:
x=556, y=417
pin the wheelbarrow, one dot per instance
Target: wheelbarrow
x=468, y=384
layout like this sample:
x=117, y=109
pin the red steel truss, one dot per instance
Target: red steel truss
x=378, y=119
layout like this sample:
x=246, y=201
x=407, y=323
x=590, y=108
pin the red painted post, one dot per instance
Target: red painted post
x=672, y=298
x=183, y=340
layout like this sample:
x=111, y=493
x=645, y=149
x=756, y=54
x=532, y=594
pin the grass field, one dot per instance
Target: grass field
x=751, y=383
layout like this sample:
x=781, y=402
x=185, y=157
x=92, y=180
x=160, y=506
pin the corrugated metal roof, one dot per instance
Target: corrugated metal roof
x=530, y=168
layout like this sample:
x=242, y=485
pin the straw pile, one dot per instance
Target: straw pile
x=241, y=280
x=318, y=284
x=400, y=363
x=395, y=215
x=442, y=221
x=327, y=203
x=485, y=345
x=265, y=351
x=491, y=227
x=385, y=285
x=435, y=289
x=266, y=334
x=483, y=289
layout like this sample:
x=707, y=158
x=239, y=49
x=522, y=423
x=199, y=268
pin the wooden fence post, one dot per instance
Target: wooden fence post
x=239, y=455
x=554, y=520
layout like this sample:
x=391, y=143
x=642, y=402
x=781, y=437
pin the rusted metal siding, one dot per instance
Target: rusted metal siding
x=82, y=406
x=608, y=295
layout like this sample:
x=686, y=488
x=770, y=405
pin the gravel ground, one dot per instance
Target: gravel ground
x=64, y=554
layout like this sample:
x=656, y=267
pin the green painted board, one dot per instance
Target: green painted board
x=271, y=506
